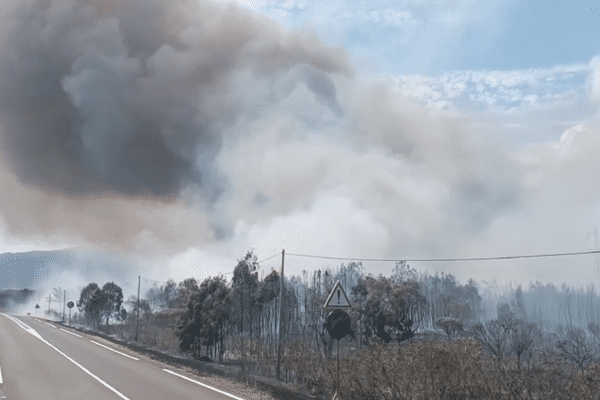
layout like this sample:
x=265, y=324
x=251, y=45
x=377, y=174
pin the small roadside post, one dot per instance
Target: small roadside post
x=338, y=323
x=70, y=304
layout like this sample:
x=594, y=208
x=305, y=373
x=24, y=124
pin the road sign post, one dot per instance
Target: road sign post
x=337, y=379
x=338, y=323
x=70, y=304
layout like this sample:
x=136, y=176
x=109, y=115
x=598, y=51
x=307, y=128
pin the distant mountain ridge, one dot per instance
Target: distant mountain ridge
x=31, y=269
x=27, y=270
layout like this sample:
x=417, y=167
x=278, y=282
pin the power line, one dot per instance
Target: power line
x=268, y=258
x=447, y=259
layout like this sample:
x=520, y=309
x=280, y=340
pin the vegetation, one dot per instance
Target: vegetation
x=97, y=303
x=413, y=335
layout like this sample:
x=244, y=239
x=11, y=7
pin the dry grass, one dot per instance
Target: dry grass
x=457, y=370
x=419, y=369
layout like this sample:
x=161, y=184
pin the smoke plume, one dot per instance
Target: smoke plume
x=192, y=127
x=110, y=108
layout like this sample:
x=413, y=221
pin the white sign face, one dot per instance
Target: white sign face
x=337, y=298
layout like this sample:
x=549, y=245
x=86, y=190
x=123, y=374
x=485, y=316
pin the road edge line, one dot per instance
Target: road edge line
x=118, y=352
x=71, y=333
x=37, y=335
x=202, y=384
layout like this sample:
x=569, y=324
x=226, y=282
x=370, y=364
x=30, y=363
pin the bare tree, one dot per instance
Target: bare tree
x=522, y=338
x=493, y=335
x=575, y=347
x=594, y=329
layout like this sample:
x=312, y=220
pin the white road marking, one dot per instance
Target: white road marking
x=118, y=352
x=70, y=333
x=0, y=376
x=50, y=325
x=202, y=384
x=37, y=335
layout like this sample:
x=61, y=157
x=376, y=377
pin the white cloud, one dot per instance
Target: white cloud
x=594, y=79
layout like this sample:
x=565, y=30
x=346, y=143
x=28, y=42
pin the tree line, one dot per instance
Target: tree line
x=238, y=318
x=206, y=316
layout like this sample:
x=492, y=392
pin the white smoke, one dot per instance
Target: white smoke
x=184, y=134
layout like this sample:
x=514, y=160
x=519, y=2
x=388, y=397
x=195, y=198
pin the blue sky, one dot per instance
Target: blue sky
x=431, y=37
x=515, y=60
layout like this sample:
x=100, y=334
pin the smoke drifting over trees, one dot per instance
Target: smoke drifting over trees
x=105, y=103
x=235, y=322
x=126, y=97
x=163, y=127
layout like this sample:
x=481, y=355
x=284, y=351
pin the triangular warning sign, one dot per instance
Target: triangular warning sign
x=337, y=298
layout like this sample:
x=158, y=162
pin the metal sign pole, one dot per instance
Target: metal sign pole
x=337, y=386
x=70, y=304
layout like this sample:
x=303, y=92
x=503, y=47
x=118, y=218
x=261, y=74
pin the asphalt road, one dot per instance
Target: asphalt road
x=43, y=361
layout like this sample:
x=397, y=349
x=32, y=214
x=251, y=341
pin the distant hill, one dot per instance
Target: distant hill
x=22, y=270
x=31, y=269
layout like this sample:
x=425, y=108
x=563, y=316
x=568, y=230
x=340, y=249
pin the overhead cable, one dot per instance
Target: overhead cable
x=268, y=258
x=447, y=259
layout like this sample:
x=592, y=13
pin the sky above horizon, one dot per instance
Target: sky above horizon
x=384, y=129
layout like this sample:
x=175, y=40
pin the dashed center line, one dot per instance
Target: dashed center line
x=1, y=376
x=50, y=325
x=70, y=333
x=202, y=384
x=118, y=352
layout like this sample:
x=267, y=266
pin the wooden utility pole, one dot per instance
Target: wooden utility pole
x=137, y=317
x=280, y=319
x=64, y=300
x=596, y=246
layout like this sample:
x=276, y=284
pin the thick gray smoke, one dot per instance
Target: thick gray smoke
x=104, y=102
x=131, y=97
x=199, y=129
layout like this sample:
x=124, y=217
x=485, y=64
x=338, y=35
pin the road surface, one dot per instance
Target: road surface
x=44, y=361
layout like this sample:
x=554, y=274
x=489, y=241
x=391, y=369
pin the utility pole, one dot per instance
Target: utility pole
x=137, y=317
x=596, y=246
x=49, y=299
x=280, y=319
x=64, y=300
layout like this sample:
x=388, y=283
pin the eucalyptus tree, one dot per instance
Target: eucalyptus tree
x=89, y=302
x=113, y=295
x=244, y=286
